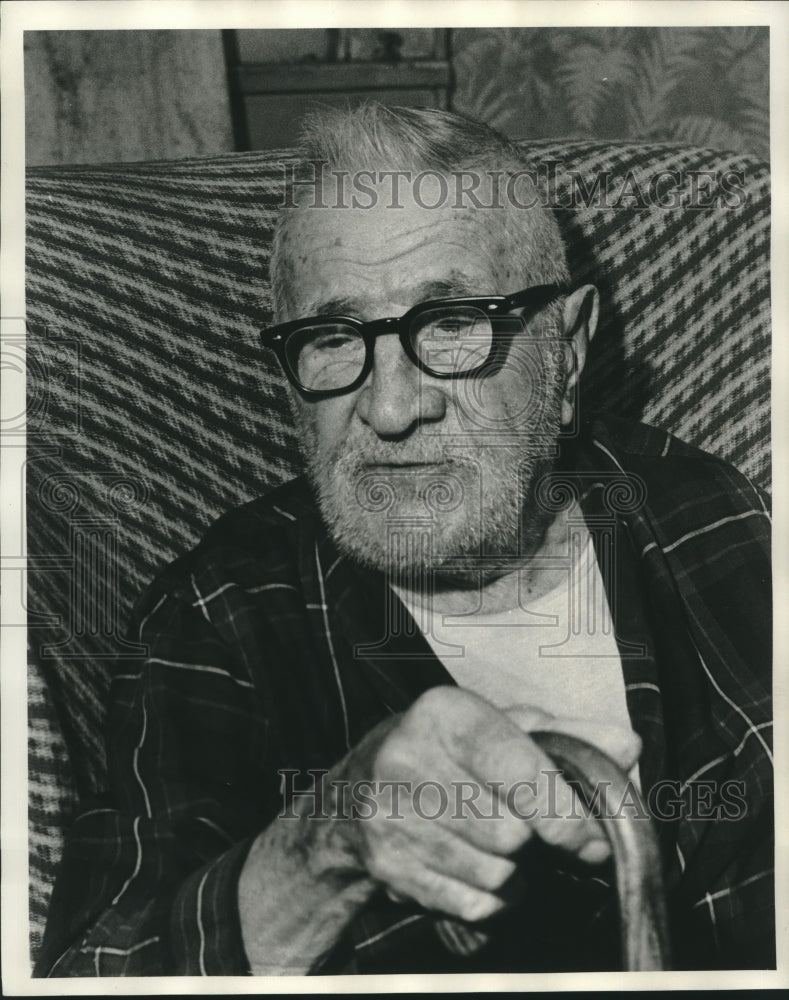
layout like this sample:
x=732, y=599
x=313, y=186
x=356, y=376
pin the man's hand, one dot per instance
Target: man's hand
x=460, y=862
x=306, y=878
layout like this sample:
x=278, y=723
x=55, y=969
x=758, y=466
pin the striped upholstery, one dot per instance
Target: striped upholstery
x=151, y=409
x=50, y=794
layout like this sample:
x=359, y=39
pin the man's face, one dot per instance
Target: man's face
x=407, y=457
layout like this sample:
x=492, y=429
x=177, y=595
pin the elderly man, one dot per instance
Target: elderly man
x=325, y=762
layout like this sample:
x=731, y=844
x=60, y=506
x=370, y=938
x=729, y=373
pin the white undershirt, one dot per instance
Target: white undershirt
x=557, y=653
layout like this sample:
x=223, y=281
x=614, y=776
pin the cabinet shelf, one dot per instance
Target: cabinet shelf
x=297, y=78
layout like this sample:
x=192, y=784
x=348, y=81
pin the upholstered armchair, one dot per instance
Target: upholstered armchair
x=152, y=407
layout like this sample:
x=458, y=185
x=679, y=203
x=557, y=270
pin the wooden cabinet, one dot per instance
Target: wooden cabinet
x=276, y=76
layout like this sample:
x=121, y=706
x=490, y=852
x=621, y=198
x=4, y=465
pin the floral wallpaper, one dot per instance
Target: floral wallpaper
x=702, y=86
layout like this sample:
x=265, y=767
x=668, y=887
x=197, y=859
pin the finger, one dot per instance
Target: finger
x=452, y=798
x=485, y=745
x=529, y=717
x=533, y=791
x=464, y=847
x=449, y=854
x=457, y=724
x=442, y=893
x=555, y=813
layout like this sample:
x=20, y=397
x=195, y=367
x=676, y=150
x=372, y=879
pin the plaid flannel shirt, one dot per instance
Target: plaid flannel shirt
x=253, y=666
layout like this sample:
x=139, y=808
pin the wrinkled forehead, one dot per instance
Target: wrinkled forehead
x=395, y=226
x=393, y=206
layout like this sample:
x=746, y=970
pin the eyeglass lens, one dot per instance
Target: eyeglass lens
x=455, y=341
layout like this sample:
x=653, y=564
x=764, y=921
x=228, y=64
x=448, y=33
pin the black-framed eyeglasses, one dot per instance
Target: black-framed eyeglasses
x=453, y=338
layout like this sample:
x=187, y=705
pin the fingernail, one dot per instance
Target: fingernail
x=595, y=851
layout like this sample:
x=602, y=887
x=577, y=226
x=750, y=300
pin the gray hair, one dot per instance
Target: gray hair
x=372, y=136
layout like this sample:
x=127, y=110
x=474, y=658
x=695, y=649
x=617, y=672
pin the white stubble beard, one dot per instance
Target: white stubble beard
x=379, y=517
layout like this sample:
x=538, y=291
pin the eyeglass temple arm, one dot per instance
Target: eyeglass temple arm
x=536, y=296
x=636, y=855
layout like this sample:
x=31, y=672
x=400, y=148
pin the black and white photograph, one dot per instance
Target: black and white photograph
x=387, y=491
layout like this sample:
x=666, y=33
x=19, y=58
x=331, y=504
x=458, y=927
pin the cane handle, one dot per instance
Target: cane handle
x=636, y=856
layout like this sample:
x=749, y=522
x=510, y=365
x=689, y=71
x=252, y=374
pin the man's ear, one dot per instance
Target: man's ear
x=581, y=309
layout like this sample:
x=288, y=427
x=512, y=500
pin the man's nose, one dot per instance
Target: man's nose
x=397, y=396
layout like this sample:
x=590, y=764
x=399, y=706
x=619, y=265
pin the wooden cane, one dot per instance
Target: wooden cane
x=639, y=881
